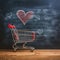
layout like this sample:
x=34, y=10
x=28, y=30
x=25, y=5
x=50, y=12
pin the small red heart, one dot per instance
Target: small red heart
x=24, y=17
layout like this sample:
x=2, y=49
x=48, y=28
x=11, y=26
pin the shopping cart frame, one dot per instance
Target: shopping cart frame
x=23, y=46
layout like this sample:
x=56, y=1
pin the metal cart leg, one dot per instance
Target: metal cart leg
x=28, y=47
x=14, y=47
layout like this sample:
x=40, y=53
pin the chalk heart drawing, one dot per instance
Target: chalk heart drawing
x=24, y=17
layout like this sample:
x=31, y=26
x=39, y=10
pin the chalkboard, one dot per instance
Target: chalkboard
x=45, y=22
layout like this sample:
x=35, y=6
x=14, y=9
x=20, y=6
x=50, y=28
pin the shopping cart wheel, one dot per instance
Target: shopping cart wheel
x=15, y=49
x=32, y=49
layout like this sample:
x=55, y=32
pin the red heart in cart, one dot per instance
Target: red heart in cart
x=24, y=17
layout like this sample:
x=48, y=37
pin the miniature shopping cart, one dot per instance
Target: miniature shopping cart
x=22, y=37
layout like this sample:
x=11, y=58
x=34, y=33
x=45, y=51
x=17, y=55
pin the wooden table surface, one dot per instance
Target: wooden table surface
x=27, y=55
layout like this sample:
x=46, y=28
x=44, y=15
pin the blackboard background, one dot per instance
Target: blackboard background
x=47, y=27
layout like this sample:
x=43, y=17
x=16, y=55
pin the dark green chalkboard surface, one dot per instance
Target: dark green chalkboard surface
x=45, y=22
